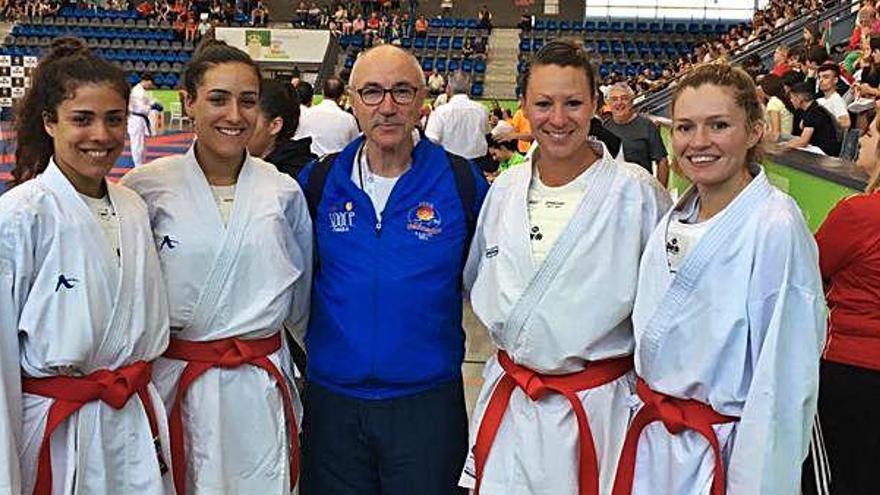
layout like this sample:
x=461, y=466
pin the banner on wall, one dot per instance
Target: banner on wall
x=278, y=45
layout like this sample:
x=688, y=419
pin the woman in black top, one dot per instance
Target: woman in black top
x=273, y=134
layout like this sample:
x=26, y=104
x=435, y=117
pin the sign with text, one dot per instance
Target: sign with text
x=278, y=45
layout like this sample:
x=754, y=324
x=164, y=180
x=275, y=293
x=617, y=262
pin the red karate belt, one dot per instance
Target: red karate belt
x=70, y=393
x=537, y=386
x=224, y=353
x=677, y=415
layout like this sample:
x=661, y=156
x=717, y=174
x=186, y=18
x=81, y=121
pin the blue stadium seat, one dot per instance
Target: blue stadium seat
x=630, y=48
x=577, y=27
x=406, y=43
x=467, y=65
x=428, y=64
x=537, y=44
x=521, y=67
x=444, y=43
x=602, y=26
x=681, y=28
x=480, y=66
x=616, y=27
x=525, y=45
x=540, y=25
x=629, y=27
x=472, y=23
x=419, y=44
x=617, y=47
x=604, y=48
x=477, y=90
x=694, y=28
x=589, y=26
x=435, y=23
x=460, y=23
x=457, y=43
x=604, y=70
x=552, y=26
x=564, y=26
x=440, y=65
x=631, y=70
x=431, y=44
x=642, y=27
x=452, y=65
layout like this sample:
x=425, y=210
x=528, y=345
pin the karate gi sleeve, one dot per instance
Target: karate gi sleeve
x=300, y=247
x=786, y=317
x=14, y=259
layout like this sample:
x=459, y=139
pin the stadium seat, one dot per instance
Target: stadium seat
x=616, y=27
x=477, y=90
x=602, y=26
x=480, y=67
x=552, y=26
x=428, y=64
x=440, y=65
x=564, y=26
x=444, y=43
x=540, y=25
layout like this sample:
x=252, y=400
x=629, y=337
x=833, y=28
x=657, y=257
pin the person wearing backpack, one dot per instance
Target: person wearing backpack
x=393, y=215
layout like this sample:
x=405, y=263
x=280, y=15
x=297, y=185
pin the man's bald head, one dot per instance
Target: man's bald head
x=387, y=59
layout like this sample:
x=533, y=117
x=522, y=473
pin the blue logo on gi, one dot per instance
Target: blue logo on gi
x=67, y=283
x=424, y=221
x=168, y=242
x=342, y=218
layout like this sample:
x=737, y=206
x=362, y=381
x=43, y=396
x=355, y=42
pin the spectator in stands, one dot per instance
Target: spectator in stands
x=330, y=127
x=467, y=49
x=446, y=8
x=864, y=27
x=260, y=14
x=642, y=144
x=273, y=137
x=777, y=115
x=480, y=46
x=436, y=83
x=521, y=130
x=421, y=27
x=461, y=125
x=525, y=23
x=484, y=18
x=358, y=25
x=817, y=127
x=828, y=75
x=373, y=23
x=780, y=61
x=204, y=27
x=301, y=14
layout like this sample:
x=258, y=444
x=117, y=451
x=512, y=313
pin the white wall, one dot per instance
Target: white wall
x=671, y=9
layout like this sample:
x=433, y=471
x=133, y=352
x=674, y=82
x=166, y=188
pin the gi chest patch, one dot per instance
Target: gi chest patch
x=424, y=221
x=341, y=217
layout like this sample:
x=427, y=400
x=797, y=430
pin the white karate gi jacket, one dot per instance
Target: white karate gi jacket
x=583, y=315
x=105, y=313
x=740, y=327
x=244, y=280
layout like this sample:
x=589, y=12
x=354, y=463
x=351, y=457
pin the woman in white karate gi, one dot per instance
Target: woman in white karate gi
x=83, y=309
x=234, y=240
x=729, y=318
x=552, y=274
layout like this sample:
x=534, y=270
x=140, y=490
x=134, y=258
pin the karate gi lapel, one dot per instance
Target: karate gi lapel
x=685, y=280
x=599, y=179
x=97, y=245
x=232, y=234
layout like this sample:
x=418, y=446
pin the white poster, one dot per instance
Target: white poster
x=278, y=45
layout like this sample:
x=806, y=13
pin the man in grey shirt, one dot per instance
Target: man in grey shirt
x=641, y=139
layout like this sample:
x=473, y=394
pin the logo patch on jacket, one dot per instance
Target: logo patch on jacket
x=342, y=218
x=66, y=282
x=492, y=252
x=424, y=221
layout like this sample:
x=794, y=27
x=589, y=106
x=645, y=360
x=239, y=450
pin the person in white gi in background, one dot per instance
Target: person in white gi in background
x=729, y=318
x=552, y=273
x=139, y=106
x=235, y=243
x=83, y=309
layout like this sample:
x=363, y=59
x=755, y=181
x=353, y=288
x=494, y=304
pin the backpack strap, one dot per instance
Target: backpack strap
x=317, y=178
x=467, y=192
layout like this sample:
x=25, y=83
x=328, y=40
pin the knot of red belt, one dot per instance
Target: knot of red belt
x=536, y=386
x=70, y=393
x=677, y=415
x=226, y=353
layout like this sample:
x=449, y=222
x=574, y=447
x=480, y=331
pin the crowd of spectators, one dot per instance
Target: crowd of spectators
x=764, y=24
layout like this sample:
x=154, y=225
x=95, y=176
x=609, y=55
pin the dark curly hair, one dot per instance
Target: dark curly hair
x=68, y=65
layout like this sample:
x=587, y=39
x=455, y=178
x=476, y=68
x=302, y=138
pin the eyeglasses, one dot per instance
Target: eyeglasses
x=402, y=94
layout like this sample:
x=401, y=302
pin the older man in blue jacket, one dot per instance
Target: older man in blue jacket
x=393, y=214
